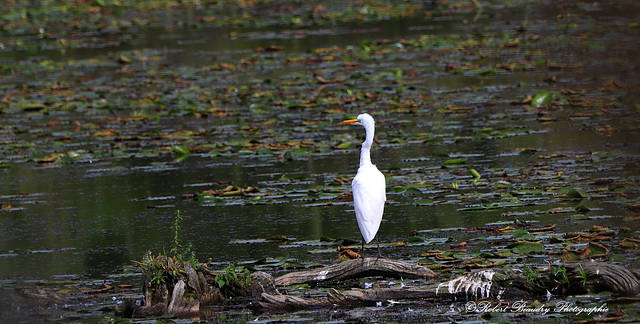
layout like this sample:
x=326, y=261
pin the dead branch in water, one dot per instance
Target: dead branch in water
x=357, y=268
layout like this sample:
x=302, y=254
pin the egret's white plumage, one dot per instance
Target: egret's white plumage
x=368, y=186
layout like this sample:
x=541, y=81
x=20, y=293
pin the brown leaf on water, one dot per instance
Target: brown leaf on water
x=431, y=253
x=613, y=85
x=441, y=257
x=511, y=66
x=342, y=180
x=630, y=243
x=547, y=119
x=580, y=115
x=327, y=81
x=231, y=190
x=570, y=92
x=450, y=67
x=105, y=288
x=525, y=101
x=188, y=196
x=513, y=43
x=598, y=229
x=542, y=229
x=222, y=66
x=347, y=253
x=592, y=250
x=270, y=49
x=124, y=59
x=605, y=130
x=351, y=64
x=492, y=229
x=459, y=245
x=277, y=238
x=633, y=207
x=345, y=197
x=581, y=237
x=106, y=133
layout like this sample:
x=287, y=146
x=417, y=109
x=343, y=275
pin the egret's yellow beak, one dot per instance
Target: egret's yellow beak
x=351, y=121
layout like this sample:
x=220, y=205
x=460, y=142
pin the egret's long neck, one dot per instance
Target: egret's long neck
x=365, y=153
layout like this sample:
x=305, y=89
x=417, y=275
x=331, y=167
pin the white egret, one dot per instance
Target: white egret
x=368, y=186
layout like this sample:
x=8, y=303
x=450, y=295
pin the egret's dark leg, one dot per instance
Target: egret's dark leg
x=362, y=249
x=378, y=244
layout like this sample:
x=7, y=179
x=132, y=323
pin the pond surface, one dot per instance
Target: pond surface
x=93, y=139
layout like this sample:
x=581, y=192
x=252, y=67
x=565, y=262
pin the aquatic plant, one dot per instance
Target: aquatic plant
x=532, y=275
x=160, y=267
x=233, y=277
x=560, y=274
x=181, y=253
x=583, y=275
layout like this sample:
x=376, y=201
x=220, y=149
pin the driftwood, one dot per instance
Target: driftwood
x=347, y=270
x=354, y=296
x=199, y=286
x=578, y=278
x=594, y=277
x=357, y=268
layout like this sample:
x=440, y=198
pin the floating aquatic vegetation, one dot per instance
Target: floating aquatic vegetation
x=548, y=134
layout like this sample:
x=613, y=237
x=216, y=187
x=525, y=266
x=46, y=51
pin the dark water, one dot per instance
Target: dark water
x=92, y=218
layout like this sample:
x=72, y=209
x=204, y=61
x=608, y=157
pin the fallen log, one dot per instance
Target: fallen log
x=186, y=293
x=363, y=267
x=354, y=296
x=572, y=278
x=280, y=301
x=594, y=277
x=359, y=296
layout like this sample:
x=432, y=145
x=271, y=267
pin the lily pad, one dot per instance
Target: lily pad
x=527, y=247
x=542, y=99
x=454, y=162
x=180, y=150
x=592, y=250
x=419, y=240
